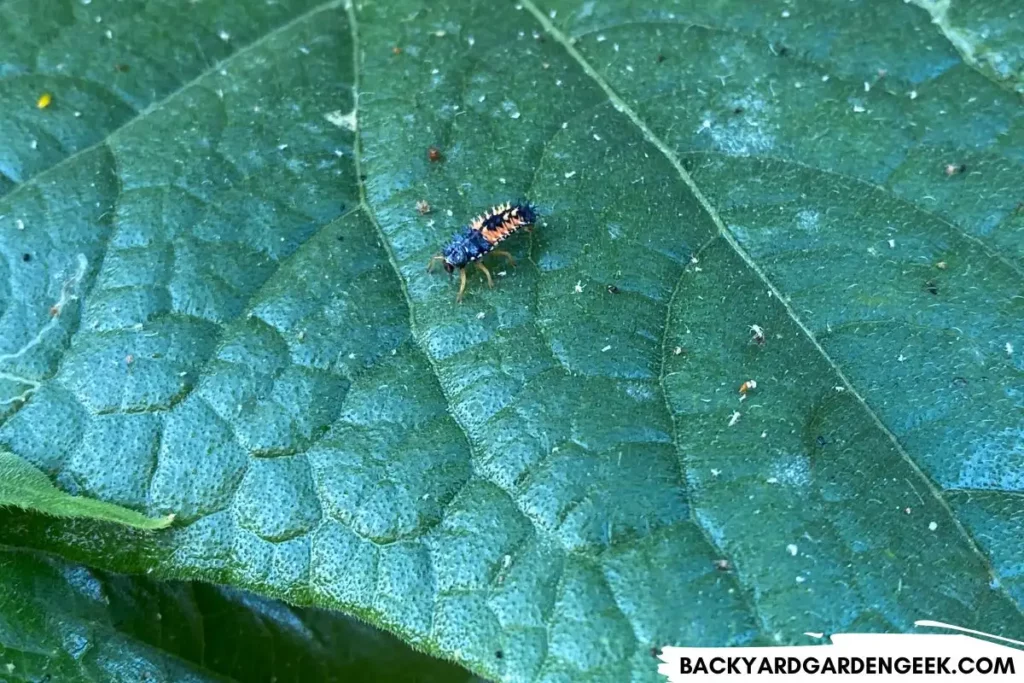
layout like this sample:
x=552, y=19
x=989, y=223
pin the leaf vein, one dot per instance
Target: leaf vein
x=673, y=159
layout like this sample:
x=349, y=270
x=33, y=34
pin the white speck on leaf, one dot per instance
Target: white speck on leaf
x=867, y=87
x=570, y=174
x=824, y=79
x=346, y=121
x=19, y=224
x=901, y=358
x=607, y=348
x=471, y=40
x=597, y=137
x=578, y=289
x=715, y=473
x=932, y=526
x=792, y=549
x=857, y=109
x=1009, y=349
x=734, y=418
x=224, y=35
x=480, y=315
x=800, y=579
x=892, y=244
x=913, y=94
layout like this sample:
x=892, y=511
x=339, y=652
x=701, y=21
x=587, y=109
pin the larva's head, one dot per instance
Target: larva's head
x=455, y=255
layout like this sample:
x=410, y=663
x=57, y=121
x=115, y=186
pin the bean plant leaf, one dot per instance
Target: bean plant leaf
x=758, y=370
x=64, y=622
x=24, y=486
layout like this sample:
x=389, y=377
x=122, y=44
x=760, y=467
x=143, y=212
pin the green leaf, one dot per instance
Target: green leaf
x=543, y=482
x=988, y=35
x=24, y=486
x=59, y=621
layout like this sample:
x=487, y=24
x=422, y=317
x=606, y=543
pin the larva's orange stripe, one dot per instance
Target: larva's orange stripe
x=511, y=224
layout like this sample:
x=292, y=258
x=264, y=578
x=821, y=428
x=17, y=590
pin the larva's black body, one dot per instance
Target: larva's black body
x=480, y=238
x=464, y=247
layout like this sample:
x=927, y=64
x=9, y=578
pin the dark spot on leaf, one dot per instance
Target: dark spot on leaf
x=499, y=654
x=655, y=652
x=821, y=441
x=660, y=59
x=123, y=68
x=362, y=176
x=434, y=154
x=781, y=50
x=396, y=50
x=960, y=382
x=612, y=289
x=26, y=257
x=737, y=110
x=341, y=207
x=931, y=287
x=723, y=565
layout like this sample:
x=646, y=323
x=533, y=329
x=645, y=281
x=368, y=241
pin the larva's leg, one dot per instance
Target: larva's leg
x=462, y=285
x=502, y=252
x=490, y=282
x=430, y=266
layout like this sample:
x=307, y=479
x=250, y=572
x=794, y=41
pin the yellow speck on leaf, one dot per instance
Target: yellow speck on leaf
x=44, y=100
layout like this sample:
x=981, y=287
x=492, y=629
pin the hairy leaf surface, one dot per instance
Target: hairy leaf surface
x=562, y=474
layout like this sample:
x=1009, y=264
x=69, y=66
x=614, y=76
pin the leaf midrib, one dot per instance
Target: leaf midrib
x=982, y=244
x=621, y=106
